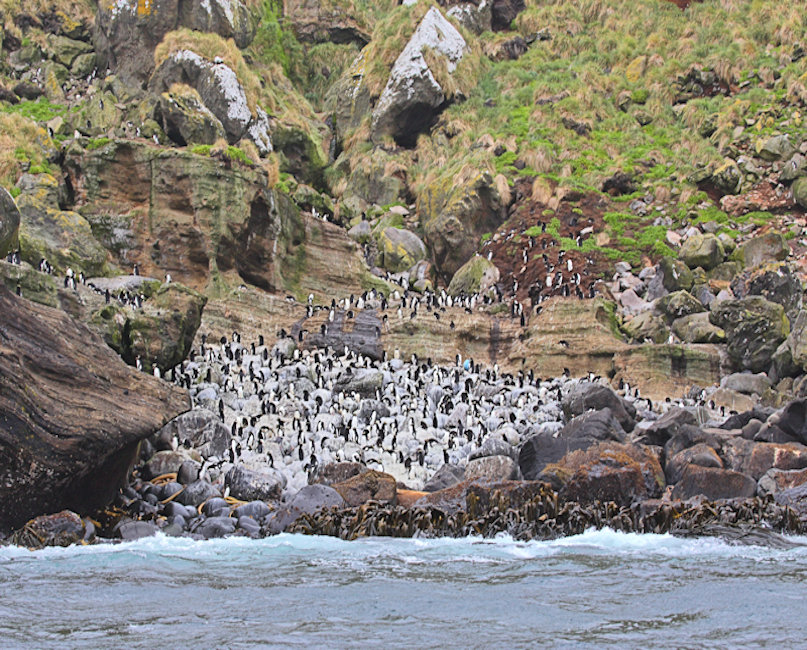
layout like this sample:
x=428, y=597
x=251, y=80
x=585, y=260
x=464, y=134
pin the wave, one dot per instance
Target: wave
x=592, y=542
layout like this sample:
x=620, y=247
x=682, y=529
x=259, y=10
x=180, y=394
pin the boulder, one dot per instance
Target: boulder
x=185, y=119
x=754, y=328
x=399, y=249
x=660, y=431
x=796, y=343
x=647, y=327
x=779, y=480
x=364, y=381
x=318, y=22
x=504, y=12
x=700, y=454
x=308, y=500
x=129, y=530
x=786, y=425
x=794, y=169
x=337, y=473
x=196, y=493
x=714, y=484
x=201, y=428
x=580, y=433
x=800, y=188
x=770, y=247
x=775, y=147
x=456, y=215
x=494, y=446
x=216, y=527
x=60, y=529
x=445, y=477
x=361, y=232
x=412, y=97
x=678, y=304
x=775, y=281
x=64, y=238
x=72, y=413
x=219, y=88
x=492, y=468
x=476, y=18
x=674, y=275
x=65, y=50
x=686, y=436
x=126, y=33
x=705, y=251
x=747, y=383
x=587, y=396
x=9, y=223
x=607, y=471
x=168, y=462
x=696, y=328
x=477, y=275
x=367, y=486
x=255, y=485
x=756, y=458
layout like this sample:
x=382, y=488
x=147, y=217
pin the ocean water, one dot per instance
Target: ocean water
x=601, y=588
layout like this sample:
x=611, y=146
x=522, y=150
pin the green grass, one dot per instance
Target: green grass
x=97, y=143
x=40, y=110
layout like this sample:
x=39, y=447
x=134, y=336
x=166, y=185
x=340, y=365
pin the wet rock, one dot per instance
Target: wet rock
x=477, y=275
x=215, y=527
x=252, y=485
x=445, y=477
x=309, y=500
x=370, y=485
x=337, y=473
x=700, y=454
x=492, y=468
x=129, y=530
x=254, y=509
x=60, y=529
x=587, y=396
x=714, y=484
x=249, y=526
x=754, y=330
x=197, y=493
x=412, y=97
x=580, y=433
x=9, y=223
x=705, y=251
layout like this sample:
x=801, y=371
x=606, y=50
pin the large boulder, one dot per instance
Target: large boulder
x=608, y=471
x=770, y=247
x=696, y=328
x=128, y=31
x=71, y=413
x=756, y=458
x=477, y=275
x=9, y=223
x=337, y=473
x=678, y=304
x=364, y=381
x=674, y=275
x=776, y=281
x=714, y=483
x=61, y=529
x=367, y=486
x=255, y=485
x=492, y=468
x=412, y=98
x=64, y=238
x=399, y=249
x=587, y=396
x=220, y=91
x=309, y=500
x=754, y=328
x=700, y=454
x=667, y=426
x=319, y=22
x=580, y=433
x=455, y=217
x=445, y=477
x=786, y=425
x=705, y=251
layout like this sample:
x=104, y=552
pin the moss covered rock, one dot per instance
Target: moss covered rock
x=9, y=223
x=679, y=304
x=754, y=328
x=646, y=327
x=399, y=249
x=64, y=238
x=800, y=191
x=475, y=276
x=676, y=275
x=696, y=328
x=185, y=119
x=703, y=251
x=770, y=247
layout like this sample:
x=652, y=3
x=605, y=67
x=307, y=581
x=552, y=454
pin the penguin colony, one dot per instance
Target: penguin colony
x=291, y=412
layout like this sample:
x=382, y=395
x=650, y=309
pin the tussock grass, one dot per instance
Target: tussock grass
x=22, y=143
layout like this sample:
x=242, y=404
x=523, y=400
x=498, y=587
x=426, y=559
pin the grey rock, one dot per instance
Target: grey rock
x=251, y=485
x=747, y=383
x=197, y=493
x=445, y=477
x=492, y=468
x=594, y=396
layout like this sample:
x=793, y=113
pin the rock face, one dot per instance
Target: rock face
x=413, y=97
x=9, y=223
x=221, y=93
x=71, y=413
x=318, y=22
x=128, y=31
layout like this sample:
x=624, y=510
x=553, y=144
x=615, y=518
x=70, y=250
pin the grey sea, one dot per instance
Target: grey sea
x=601, y=588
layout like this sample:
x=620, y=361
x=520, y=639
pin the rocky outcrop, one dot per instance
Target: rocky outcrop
x=128, y=31
x=72, y=413
x=9, y=223
x=317, y=22
x=185, y=119
x=399, y=249
x=220, y=91
x=477, y=275
x=413, y=97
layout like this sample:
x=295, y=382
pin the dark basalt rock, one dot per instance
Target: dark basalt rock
x=71, y=413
